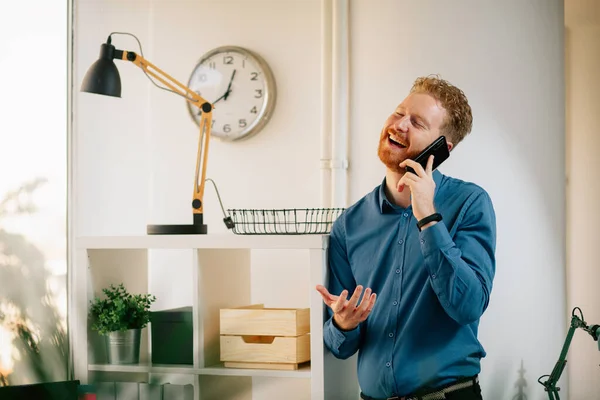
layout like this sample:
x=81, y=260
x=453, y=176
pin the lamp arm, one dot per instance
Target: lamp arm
x=205, y=122
x=550, y=384
x=576, y=322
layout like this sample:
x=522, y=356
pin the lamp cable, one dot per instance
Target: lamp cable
x=143, y=70
x=227, y=219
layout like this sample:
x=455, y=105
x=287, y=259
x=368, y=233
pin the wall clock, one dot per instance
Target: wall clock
x=241, y=86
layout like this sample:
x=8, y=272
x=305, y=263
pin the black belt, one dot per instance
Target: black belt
x=435, y=394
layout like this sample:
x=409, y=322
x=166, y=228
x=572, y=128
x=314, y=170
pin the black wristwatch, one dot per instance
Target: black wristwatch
x=426, y=220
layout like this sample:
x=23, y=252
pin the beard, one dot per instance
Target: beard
x=391, y=156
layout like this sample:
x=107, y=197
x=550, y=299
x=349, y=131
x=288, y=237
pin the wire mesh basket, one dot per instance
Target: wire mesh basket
x=295, y=221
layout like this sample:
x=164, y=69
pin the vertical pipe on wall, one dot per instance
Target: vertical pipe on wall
x=71, y=146
x=326, y=84
x=335, y=102
x=340, y=102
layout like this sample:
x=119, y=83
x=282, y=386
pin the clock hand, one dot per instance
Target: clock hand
x=229, y=86
x=221, y=98
x=226, y=94
x=216, y=101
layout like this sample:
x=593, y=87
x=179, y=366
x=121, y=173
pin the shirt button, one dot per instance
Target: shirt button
x=405, y=214
x=401, y=241
x=390, y=334
x=387, y=364
x=422, y=241
x=433, y=276
x=395, y=303
x=397, y=271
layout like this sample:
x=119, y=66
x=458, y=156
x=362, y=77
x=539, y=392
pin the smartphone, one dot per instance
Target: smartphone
x=439, y=149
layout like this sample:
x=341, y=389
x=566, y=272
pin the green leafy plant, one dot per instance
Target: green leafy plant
x=120, y=310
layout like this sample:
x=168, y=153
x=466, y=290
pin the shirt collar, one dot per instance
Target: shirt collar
x=386, y=205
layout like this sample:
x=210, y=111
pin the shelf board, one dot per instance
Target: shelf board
x=145, y=368
x=218, y=369
x=302, y=372
x=210, y=241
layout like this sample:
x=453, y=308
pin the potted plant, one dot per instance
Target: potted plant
x=120, y=317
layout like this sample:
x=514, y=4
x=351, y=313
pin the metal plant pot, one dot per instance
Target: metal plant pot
x=123, y=347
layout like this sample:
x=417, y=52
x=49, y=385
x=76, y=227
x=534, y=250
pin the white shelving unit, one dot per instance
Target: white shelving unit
x=221, y=272
x=219, y=369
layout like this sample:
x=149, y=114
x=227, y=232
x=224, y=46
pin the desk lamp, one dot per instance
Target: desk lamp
x=103, y=78
x=576, y=322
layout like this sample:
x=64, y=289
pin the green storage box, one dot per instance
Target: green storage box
x=172, y=336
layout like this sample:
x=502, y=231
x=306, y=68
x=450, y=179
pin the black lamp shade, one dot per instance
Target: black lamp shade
x=103, y=76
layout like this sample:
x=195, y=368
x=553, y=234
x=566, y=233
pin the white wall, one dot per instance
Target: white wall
x=506, y=56
x=110, y=134
x=582, y=19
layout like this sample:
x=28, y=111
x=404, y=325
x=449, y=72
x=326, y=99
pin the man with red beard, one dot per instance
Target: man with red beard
x=418, y=256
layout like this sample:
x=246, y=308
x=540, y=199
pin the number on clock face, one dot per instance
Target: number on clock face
x=237, y=85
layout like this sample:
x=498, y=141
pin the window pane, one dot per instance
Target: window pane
x=33, y=191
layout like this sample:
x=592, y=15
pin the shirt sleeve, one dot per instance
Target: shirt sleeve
x=461, y=268
x=342, y=344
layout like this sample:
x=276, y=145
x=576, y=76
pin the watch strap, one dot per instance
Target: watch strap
x=428, y=219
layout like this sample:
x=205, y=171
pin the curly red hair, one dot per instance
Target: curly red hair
x=459, y=118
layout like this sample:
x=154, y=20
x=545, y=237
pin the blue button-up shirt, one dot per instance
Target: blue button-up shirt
x=432, y=287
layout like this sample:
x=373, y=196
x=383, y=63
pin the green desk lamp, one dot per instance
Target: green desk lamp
x=576, y=322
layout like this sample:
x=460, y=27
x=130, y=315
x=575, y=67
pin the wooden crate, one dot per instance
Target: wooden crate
x=269, y=338
x=256, y=320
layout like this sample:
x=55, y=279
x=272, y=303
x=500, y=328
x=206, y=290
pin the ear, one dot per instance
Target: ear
x=450, y=146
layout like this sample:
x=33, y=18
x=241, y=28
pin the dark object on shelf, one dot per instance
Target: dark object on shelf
x=66, y=390
x=172, y=336
x=296, y=221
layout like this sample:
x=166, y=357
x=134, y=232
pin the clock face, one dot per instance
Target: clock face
x=241, y=87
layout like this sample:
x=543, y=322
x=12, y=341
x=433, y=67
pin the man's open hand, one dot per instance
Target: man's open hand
x=347, y=314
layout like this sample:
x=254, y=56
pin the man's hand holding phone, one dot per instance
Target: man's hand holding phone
x=347, y=314
x=421, y=185
x=419, y=176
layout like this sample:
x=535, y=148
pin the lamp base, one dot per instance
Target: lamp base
x=197, y=228
x=177, y=229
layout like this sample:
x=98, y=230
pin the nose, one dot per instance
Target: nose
x=401, y=124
